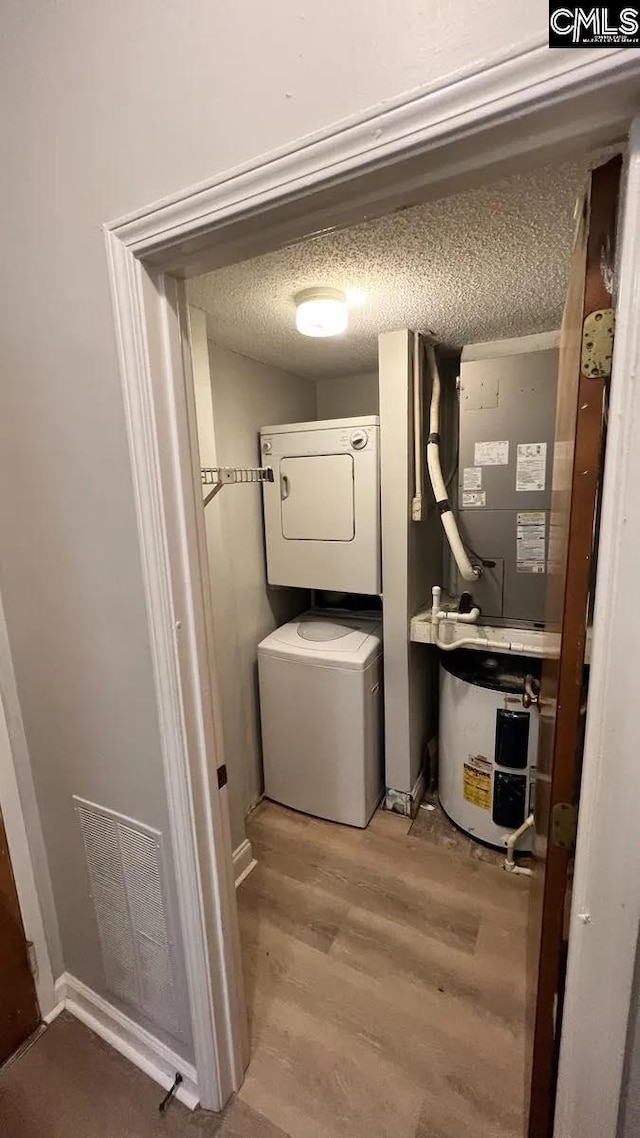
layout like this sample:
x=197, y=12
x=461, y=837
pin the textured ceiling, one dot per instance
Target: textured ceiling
x=482, y=265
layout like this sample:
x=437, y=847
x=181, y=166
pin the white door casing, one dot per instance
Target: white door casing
x=24, y=836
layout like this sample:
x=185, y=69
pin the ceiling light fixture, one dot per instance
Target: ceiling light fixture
x=321, y=312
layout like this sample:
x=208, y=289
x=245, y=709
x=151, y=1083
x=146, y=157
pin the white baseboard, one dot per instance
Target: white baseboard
x=137, y=1045
x=55, y=1012
x=243, y=861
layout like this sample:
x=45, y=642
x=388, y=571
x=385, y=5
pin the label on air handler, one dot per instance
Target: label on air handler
x=474, y=499
x=472, y=478
x=530, y=541
x=476, y=781
x=495, y=453
x=531, y=465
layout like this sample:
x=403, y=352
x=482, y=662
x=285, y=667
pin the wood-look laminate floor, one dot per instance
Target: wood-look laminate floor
x=385, y=981
x=385, y=977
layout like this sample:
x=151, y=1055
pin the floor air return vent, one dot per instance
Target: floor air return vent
x=125, y=864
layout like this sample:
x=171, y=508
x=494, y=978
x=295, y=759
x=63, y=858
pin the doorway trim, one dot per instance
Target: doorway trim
x=605, y=917
x=24, y=836
x=528, y=105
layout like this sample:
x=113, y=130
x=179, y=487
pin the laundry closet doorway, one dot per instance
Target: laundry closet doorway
x=495, y=280
x=228, y=953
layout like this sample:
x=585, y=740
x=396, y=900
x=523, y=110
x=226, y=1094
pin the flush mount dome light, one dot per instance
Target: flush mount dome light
x=321, y=312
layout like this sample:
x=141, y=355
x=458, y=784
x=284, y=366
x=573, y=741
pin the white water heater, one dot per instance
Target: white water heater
x=488, y=743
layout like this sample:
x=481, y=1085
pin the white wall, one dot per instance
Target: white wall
x=223, y=645
x=108, y=107
x=346, y=396
x=246, y=396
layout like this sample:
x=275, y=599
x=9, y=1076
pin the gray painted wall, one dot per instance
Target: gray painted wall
x=246, y=396
x=348, y=396
x=223, y=641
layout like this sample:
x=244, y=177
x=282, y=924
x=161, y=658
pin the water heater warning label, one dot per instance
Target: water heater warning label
x=530, y=541
x=476, y=781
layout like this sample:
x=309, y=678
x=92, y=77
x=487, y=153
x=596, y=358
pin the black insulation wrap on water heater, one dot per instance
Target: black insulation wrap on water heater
x=509, y=799
x=512, y=739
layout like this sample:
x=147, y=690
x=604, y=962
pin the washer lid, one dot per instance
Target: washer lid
x=322, y=630
x=348, y=642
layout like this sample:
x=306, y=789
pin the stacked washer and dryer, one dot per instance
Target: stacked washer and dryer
x=320, y=675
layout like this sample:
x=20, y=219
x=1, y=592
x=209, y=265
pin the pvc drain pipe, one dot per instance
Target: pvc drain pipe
x=510, y=863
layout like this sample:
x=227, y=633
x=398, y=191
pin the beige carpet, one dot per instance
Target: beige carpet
x=70, y=1084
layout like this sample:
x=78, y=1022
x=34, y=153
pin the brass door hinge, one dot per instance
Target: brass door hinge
x=564, y=826
x=597, y=344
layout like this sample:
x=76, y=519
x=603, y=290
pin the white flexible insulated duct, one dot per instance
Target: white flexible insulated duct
x=447, y=517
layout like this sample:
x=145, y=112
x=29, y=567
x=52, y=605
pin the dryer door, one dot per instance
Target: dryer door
x=317, y=497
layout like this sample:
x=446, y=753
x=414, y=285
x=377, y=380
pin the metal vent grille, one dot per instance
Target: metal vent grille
x=125, y=870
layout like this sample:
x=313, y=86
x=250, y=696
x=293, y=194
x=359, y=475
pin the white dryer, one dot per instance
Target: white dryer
x=322, y=511
x=321, y=715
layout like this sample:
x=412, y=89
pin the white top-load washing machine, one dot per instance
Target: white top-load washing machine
x=321, y=713
x=322, y=511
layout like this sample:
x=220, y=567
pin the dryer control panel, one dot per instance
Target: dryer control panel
x=359, y=439
x=313, y=441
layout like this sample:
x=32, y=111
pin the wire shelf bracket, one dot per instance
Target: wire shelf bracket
x=215, y=477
